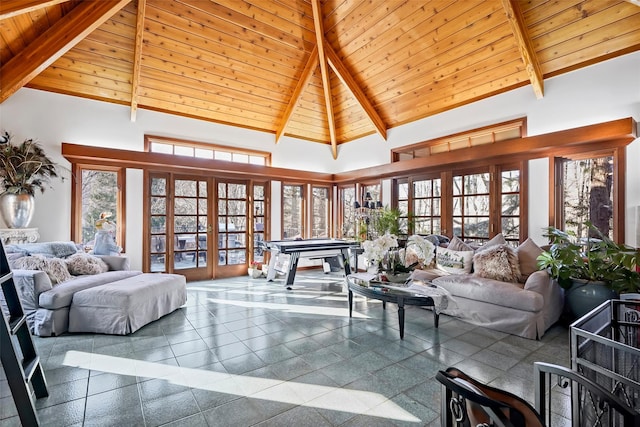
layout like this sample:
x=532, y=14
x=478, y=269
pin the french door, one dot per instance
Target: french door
x=198, y=226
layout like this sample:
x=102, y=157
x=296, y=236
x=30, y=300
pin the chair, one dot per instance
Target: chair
x=467, y=402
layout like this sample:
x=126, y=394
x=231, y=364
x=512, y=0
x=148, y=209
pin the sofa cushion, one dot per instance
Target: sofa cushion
x=528, y=253
x=491, y=291
x=61, y=295
x=455, y=262
x=48, y=249
x=499, y=262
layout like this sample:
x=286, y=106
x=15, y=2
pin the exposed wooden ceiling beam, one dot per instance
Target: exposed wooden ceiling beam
x=324, y=70
x=636, y=2
x=55, y=42
x=525, y=46
x=10, y=8
x=307, y=73
x=346, y=79
x=137, y=58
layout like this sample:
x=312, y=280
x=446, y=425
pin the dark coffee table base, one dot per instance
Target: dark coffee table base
x=396, y=298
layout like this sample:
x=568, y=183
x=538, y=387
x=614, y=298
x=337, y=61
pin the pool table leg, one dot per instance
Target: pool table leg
x=291, y=272
x=350, y=302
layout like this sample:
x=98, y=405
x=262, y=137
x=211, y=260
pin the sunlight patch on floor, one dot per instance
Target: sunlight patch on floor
x=291, y=308
x=291, y=392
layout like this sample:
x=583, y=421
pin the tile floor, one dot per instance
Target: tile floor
x=245, y=352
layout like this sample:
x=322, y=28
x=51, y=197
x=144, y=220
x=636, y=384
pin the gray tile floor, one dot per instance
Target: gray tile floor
x=246, y=352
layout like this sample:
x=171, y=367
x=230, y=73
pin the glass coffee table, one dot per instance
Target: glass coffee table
x=428, y=296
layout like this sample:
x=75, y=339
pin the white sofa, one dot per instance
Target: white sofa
x=525, y=309
x=48, y=304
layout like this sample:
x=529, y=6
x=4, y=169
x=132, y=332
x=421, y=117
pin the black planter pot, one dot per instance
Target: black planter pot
x=585, y=295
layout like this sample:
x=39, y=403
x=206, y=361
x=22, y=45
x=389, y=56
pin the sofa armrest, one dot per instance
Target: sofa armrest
x=538, y=281
x=541, y=283
x=30, y=284
x=115, y=262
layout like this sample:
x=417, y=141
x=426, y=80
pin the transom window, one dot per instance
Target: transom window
x=157, y=144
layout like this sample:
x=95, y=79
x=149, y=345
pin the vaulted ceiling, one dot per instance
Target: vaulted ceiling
x=323, y=70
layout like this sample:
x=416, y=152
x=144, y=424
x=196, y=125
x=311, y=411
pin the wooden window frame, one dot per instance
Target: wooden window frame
x=149, y=139
x=341, y=210
x=330, y=221
x=616, y=150
x=303, y=223
x=266, y=215
x=76, y=201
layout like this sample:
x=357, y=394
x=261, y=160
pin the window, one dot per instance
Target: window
x=487, y=135
x=426, y=197
x=97, y=190
x=178, y=147
x=158, y=223
x=347, y=214
x=510, y=205
x=292, y=211
x=232, y=223
x=587, y=191
x=321, y=212
x=471, y=206
x=259, y=220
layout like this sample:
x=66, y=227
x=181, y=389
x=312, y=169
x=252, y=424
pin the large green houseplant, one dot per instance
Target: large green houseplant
x=594, y=267
x=595, y=259
x=24, y=169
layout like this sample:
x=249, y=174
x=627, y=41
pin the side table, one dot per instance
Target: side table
x=19, y=235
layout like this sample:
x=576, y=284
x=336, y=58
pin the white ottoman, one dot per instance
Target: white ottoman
x=125, y=306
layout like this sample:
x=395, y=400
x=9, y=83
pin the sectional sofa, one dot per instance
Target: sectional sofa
x=109, y=299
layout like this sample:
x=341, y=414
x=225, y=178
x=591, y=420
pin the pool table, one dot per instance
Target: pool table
x=306, y=248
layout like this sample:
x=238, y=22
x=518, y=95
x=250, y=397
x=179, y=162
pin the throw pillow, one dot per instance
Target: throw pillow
x=498, y=262
x=55, y=268
x=82, y=263
x=456, y=244
x=455, y=262
x=498, y=239
x=528, y=253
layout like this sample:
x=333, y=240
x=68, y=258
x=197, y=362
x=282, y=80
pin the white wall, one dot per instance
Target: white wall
x=602, y=92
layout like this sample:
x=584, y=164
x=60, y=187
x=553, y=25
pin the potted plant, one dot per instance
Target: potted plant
x=591, y=270
x=24, y=169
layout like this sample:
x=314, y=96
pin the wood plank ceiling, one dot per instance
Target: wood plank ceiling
x=328, y=71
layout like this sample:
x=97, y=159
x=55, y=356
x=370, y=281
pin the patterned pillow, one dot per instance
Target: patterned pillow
x=455, y=262
x=498, y=262
x=82, y=263
x=55, y=268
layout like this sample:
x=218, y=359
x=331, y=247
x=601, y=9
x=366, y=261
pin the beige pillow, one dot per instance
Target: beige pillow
x=528, y=252
x=455, y=262
x=456, y=244
x=498, y=239
x=498, y=262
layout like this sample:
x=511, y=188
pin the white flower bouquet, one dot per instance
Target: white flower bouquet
x=375, y=250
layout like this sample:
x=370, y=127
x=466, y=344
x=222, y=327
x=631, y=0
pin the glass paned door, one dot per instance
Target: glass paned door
x=190, y=224
x=259, y=218
x=158, y=223
x=232, y=223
